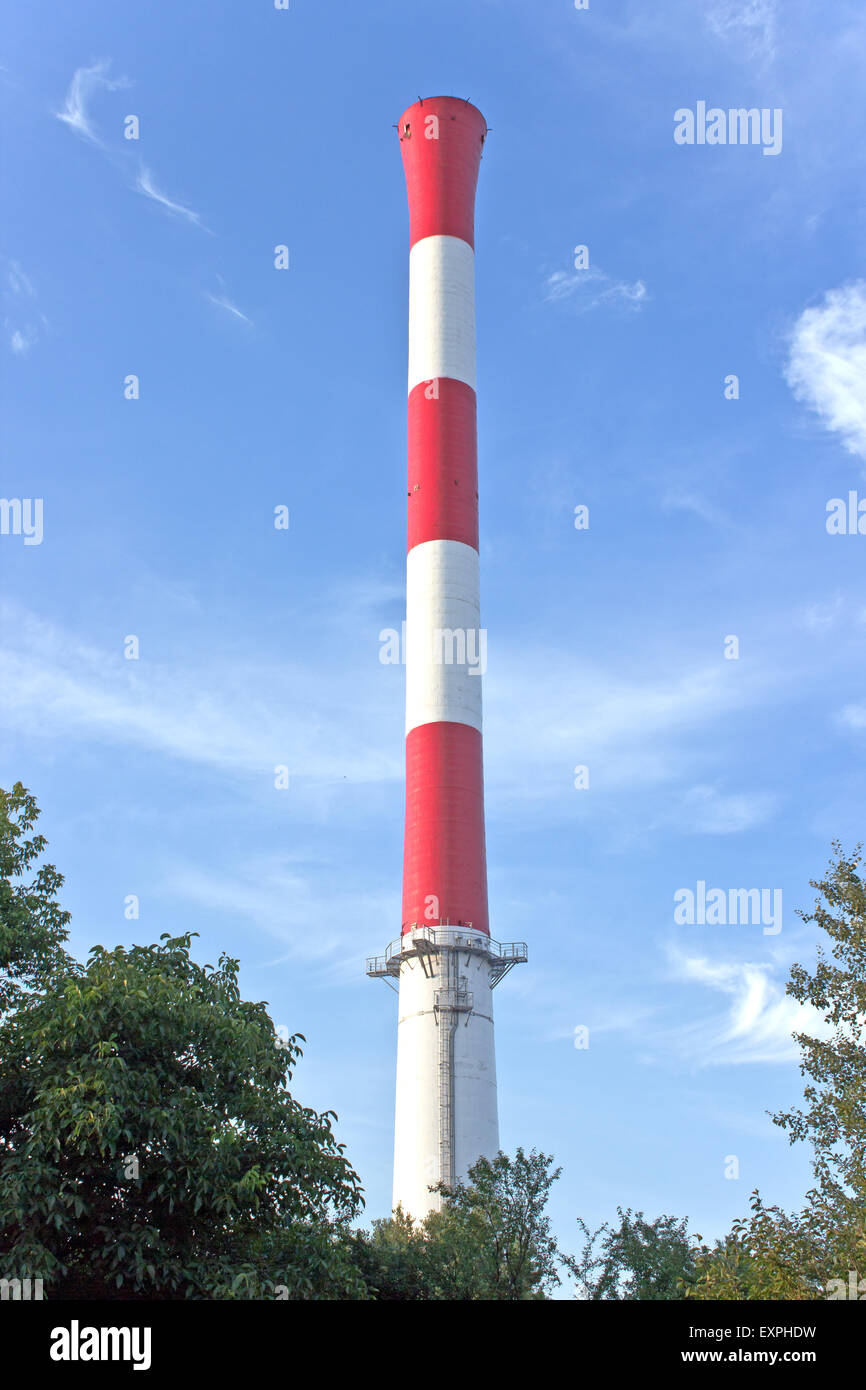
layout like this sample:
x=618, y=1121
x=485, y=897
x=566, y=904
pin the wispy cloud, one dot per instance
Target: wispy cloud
x=749, y=25
x=687, y=501
x=75, y=113
x=823, y=617
x=21, y=342
x=18, y=281
x=853, y=716
x=22, y=319
x=826, y=367
x=757, y=1024
x=704, y=810
x=588, y=289
x=223, y=303
x=316, y=919
x=240, y=719
x=145, y=184
x=545, y=713
x=754, y=1025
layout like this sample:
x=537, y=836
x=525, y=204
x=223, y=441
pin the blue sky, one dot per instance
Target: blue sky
x=603, y=387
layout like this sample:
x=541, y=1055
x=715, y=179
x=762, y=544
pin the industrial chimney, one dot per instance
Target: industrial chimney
x=445, y=963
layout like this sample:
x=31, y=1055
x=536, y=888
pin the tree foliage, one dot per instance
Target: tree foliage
x=396, y=1260
x=636, y=1260
x=33, y=926
x=767, y=1255
x=490, y=1240
x=772, y=1254
x=833, y=1118
x=149, y=1145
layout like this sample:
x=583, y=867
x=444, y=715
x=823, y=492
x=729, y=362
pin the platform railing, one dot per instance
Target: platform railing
x=421, y=939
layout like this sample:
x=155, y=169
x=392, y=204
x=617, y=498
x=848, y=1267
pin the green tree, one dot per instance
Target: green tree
x=636, y=1260
x=395, y=1260
x=33, y=927
x=499, y=1214
x=833, y=1119
x=773, y=1254
x=149, y=1145
x=490, y=1240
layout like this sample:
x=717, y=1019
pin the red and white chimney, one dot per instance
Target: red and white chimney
x=444, y=962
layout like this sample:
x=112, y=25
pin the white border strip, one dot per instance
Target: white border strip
x=443, y=675
x=441, y=310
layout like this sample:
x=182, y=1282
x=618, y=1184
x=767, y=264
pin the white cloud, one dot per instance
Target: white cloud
x=19, y=282
x=822, y=617
x=75, y=115
x=686, y=501
x=85, y=80
x=759, y=1020
x=748, y=24
x=242, y=718
x=827, y=363
x=854, y=716
x=21, y=318
x=703, y=810
x=587, y=289
x=145, y=184
x=223, y=303
x=319, y=919
x=546, y=713
x=21, y=342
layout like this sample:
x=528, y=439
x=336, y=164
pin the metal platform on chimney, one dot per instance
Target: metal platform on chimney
x=424, y=942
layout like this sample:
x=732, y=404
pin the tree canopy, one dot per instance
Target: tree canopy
x=635, y=1260
x=833, y=1118
x=149, y=1144
x=772, y=1254
x=491, y=1239
x=33, y=926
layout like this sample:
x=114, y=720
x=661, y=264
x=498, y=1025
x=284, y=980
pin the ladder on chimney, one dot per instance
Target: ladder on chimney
x=451, y=1000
